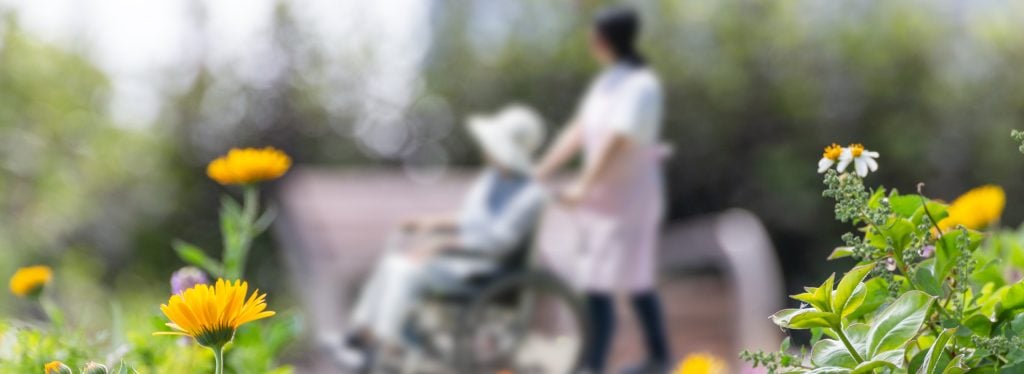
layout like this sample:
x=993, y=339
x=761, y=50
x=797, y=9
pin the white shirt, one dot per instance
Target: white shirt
x=626, y=99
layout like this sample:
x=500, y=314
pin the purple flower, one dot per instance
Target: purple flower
x=1014, y=276
x=187, y=277
x=927, y=251
x=890, y=264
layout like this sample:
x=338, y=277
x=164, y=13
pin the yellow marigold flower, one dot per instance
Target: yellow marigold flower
x=29, y=281
x=249, y=165
x=976, y=209
x=701, y=363
x=211, y=314
x=56, y=367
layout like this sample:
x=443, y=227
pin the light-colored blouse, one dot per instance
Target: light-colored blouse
x=628, y=100
x=499, y=211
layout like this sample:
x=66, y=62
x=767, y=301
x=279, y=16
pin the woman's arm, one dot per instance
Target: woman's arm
x=607, y=152
x=567, y=145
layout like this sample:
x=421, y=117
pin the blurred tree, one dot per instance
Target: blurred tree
x=69, y=176
x=757, y=89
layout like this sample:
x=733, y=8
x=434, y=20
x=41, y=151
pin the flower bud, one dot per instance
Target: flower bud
x=56, y=367
x=94, y=368
x=187, y=277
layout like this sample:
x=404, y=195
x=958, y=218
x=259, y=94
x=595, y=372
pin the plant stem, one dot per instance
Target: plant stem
x=236, y=249
x=218, y=360
x=251, y=202
x=924, y=204
x=249, y=211
x=849, y=347
x=52, y=311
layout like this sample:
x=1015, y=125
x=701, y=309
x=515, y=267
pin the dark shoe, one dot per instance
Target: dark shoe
x=649, y=367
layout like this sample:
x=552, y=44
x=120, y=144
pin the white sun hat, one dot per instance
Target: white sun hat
x=510, y=137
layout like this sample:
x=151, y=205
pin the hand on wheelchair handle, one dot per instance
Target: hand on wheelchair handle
x=572, y=195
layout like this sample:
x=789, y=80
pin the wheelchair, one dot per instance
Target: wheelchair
x=519, y=319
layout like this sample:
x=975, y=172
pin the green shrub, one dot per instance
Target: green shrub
x=936, y=288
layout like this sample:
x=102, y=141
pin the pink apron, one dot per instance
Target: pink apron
x=619, y=222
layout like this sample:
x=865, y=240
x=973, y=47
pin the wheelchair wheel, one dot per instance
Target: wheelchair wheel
x=523, y=323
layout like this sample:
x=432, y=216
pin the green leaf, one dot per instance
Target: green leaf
x=833, y=353
x=841, y=252
x=809, y=298
x=876, y=197
x=900, y=231
x=897, y=324
x=816, y=334
x=812, y=319
x=924, y=278
x=264, y=221
x=947, y=251
x=895, y=357
x=193, y=255
x=905, y=205
x=829, y=352
x=936, y=360
x=782, y=317
x=937, y=210
x=1017, y=325
x=1013, y=368
x=868, y=367
x=979, y=324
x=829, y=370
x=824, y=294
x=956, y=366
x=1011, y=301
x=818, y=297
x=989, y=270
x=845, y=299
x=916, y=362
x=858, y=335
x=876, y=291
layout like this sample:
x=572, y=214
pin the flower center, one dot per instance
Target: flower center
x=856, y=150
x=832, y=152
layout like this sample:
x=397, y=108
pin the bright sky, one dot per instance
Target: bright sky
x=138, y=42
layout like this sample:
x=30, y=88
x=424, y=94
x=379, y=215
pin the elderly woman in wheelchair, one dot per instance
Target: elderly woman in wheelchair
x=437, y=294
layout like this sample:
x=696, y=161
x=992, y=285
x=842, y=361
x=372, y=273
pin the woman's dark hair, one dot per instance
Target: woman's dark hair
x=618, y=27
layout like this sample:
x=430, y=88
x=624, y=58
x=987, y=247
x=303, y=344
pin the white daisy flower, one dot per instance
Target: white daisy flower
x=830, y=157
x=862, y=160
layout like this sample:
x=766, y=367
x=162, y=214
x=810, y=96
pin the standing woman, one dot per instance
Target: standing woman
x=618, y=196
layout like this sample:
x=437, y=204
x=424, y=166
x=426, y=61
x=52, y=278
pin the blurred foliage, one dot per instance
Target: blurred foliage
x=937, y=289
x=757, y=89
x=69, y=177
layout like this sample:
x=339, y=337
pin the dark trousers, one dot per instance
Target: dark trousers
x=601, y=311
